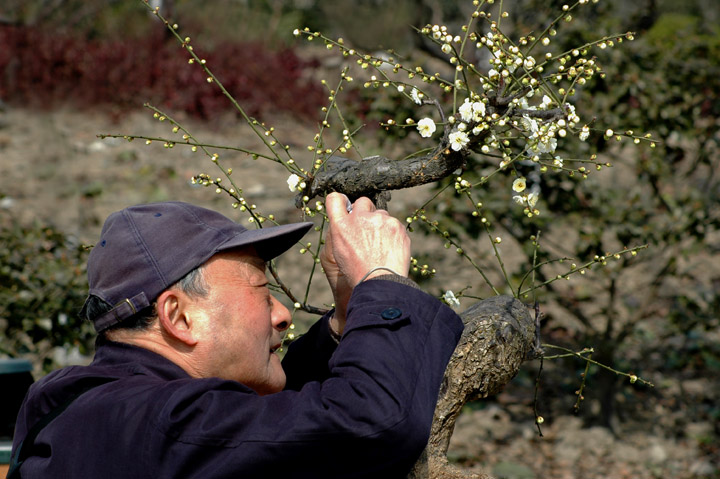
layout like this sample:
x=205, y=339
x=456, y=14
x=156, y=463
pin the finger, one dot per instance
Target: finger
x=363, y=204
x=335, y=205
x=328, y=243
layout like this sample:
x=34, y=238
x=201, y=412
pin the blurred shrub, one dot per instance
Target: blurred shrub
x=250, y=21
x=246, y=21
x=48, y=68
x=42, y=288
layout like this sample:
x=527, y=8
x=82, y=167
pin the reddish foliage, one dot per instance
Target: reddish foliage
x=38, y=68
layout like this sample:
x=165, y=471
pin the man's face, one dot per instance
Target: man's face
x=241, y=323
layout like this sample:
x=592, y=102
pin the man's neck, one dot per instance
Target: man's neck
x=153, y=340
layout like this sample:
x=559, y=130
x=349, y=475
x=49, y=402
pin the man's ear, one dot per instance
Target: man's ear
x=173, y=310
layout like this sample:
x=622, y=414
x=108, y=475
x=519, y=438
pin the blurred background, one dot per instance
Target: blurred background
x=73, y=69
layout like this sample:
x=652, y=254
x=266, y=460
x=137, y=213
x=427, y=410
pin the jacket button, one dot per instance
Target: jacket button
x=391, y=313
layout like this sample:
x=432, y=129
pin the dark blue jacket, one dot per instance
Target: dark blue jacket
x=362, y=408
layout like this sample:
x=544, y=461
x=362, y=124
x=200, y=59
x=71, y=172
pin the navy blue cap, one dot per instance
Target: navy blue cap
x=146, y=248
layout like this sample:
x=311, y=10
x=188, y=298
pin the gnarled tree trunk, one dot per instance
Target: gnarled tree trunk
x=499, y=335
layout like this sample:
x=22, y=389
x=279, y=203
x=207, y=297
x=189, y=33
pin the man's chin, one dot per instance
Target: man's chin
x=272, y=387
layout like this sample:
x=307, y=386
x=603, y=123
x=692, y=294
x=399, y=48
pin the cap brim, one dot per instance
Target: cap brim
x=269, y=242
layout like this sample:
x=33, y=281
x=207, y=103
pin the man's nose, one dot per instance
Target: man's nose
x=281, y=317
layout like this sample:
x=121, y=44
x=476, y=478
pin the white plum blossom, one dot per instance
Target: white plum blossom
x=426, y=127
x=478, y=109
x=558, y=162
x=584, y=133
x=450, y=299
x=545, y=144
x=519, y=185
x=572, y=116
x=540, y=141
x=293, y=181
x=529, y=124
x=472, y=111
x=532, y=199
x=466, y=110
x=546, y=101
x=458, y=140
x=492, y=73
x=416, y=96
x=548, y=145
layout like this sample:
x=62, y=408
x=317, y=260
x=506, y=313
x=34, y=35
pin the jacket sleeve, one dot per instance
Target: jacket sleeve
x=368, y=412
x=307, y=358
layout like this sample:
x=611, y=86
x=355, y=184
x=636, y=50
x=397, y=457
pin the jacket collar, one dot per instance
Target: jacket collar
x=114, y=358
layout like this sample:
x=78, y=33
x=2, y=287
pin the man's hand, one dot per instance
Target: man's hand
x=356, y=243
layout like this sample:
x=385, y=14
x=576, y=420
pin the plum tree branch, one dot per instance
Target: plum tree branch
x=374, y=175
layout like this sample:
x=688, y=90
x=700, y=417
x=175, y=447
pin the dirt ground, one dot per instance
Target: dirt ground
x=54, y=170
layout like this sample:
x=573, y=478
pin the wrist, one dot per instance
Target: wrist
x=395, y=278
x=378, y=271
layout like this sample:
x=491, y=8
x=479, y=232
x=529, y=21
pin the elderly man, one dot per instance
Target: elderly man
x=185, y=382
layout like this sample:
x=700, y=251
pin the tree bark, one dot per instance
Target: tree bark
x=500, y=334
x=376, y=174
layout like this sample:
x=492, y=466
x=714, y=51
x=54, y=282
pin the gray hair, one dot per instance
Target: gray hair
x=193, y=284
